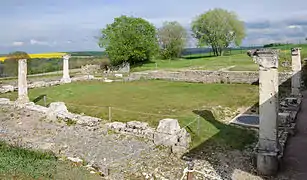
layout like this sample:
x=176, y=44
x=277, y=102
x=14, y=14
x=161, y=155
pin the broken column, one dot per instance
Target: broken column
x=296, y=69
x=267, y=150
x=66, y=77
x=22, y=82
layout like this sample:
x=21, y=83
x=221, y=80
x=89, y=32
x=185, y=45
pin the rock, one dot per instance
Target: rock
x=87, y=120
x=118, y=75
x=75, y=160
x=168, y=126
x=137, y=125
x=4, y=101
x=7, y=88
x=165, y=139
x=58, y=107
x=184, y=138
x=179, y=150
x=118, y=126
x=37, y=84
x=38, y=108
x=149, y=133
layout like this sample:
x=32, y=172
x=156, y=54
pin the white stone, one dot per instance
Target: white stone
x=137, y=125
x=4, y=101
x=119, y=126
x=75, y=160
x=168, y=126
x=87, y=120
x=37, y=108
x=165, y=139
x=8, y=88
x=118, y=75
x=57, y=108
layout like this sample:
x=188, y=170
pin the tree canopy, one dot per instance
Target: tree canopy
x=172, y=39
x=219, y=29
x=129, y=39
x=10, y=64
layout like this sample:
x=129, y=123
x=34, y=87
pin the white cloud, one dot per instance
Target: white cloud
x=36, y=42
x=18, y=43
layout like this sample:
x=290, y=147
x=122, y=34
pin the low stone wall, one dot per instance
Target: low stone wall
x=201, y=76
x=39, y=84
x=57, y=110
x=168, y=133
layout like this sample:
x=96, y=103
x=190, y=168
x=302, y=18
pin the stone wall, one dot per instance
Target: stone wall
x=40, y=84
x=58, y=110
x=201, y=76
x=168, y=133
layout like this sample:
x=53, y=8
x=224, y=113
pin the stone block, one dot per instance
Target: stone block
x=165, y=139
x=168, y=126
x=58, y=107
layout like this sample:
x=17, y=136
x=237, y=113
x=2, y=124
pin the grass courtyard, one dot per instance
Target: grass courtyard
x=151, y=101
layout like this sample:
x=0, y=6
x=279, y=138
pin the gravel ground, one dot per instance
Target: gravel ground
x=125, y=157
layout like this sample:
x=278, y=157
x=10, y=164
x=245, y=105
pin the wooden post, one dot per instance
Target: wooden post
x=190, y=167
x=45, y=101
x=110, y=113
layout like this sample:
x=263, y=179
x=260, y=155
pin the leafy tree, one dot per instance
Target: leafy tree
x=218, y=28
x=10, y=65
x=172, y=39
x=129, y=39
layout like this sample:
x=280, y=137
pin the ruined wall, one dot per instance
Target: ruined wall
x=202, y=76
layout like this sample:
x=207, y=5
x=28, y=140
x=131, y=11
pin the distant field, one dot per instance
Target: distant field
x=42, y=55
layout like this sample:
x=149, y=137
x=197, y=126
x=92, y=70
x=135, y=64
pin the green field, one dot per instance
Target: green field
x=151, y=101
x=236, y=61
x=23, y=164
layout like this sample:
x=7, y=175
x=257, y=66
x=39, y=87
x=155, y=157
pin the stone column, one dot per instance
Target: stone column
x=66, y=77
x=22, y=82
x=267, y=161
x=296, y=69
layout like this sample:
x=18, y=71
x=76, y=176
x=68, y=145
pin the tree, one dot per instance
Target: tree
x=10, y=64
x=129, y=39
x=219, y=29
x=172, y=39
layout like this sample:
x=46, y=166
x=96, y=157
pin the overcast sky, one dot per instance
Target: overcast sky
x=46, y=26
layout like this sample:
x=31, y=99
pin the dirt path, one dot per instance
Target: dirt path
x=295, y=157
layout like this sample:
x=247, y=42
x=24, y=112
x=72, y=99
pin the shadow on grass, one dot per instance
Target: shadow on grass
x=200, y=56
x=40, y=97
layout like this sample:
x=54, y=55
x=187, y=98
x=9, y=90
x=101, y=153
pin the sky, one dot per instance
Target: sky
x=37, y=26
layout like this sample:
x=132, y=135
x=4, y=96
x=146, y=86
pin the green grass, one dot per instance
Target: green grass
x=237, y=58
x=19, y=163
x=203, y=63
x=151, y=101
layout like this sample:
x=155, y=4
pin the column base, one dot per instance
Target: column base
x=22, y=101
x=267, y=164
x=65, y=80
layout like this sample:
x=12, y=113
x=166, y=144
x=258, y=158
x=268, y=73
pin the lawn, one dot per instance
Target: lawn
x=234, y=62
x=23, y=164
x=151, y=101
x=202, y=62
